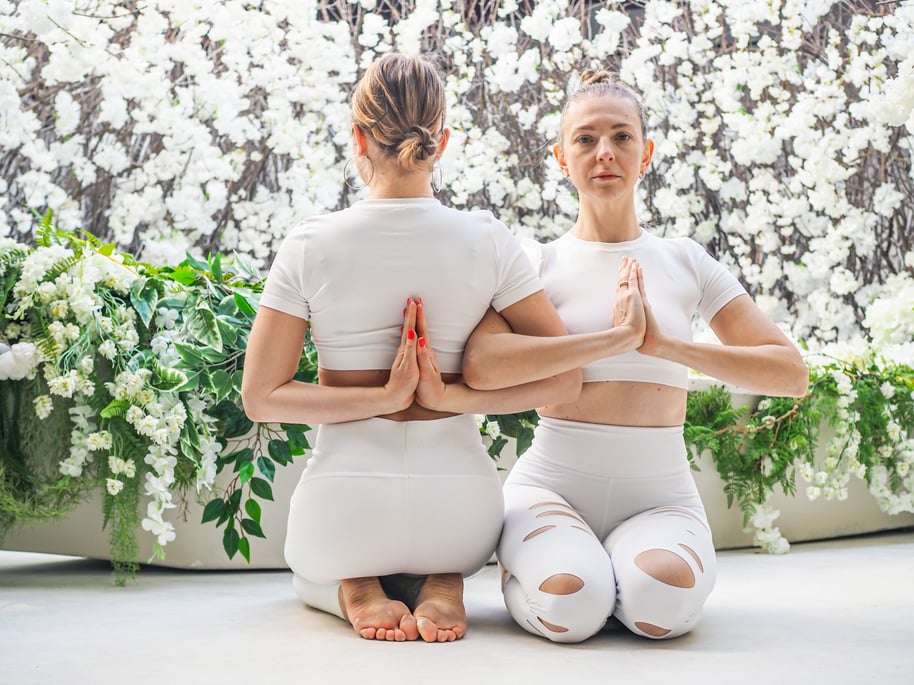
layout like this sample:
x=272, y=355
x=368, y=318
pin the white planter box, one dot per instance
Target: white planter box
x=200, y=546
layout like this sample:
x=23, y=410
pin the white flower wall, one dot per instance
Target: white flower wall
x=784, y=128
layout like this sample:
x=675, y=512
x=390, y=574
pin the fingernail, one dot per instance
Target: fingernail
x=421, y=342
x=419, y=300
x=411, y=334
x=401, y=329
x=404, y=311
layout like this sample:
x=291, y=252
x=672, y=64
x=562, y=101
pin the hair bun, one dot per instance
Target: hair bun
x=593, y=76
x=418, y=144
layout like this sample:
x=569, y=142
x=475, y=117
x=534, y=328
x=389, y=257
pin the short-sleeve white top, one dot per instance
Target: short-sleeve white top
x=350, y=273
x=680, y=278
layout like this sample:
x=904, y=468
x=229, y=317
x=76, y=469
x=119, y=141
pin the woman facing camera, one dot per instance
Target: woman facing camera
x=602, y=514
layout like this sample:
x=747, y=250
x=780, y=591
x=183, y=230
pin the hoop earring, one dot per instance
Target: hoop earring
x=347, y=175
x=437, y=177
x=641, y=175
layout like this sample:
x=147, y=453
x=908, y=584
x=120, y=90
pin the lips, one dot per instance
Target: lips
x=606, y=176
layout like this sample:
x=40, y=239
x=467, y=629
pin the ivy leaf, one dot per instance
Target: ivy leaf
x=201, y=324
x=261, y=488
x=222, y=384
x=144, y=297
x=168, y=378
x=244, y=305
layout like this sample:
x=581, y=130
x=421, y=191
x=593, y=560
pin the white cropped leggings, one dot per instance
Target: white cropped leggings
x=381, y=497
x=600, y=521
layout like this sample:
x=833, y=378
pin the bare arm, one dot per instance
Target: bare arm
x=501, y=353
x=459, y=398
x=755, y=354
x=269, y=392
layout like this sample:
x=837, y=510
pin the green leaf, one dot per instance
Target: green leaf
x=245, y=472
x=189, y=355
x=234, y=502
x=183, y=275
x=244, y=546
x=252, y=509
x=215, y=267
x=144, y=297
x=201, y=324
x=213, y=510
x=243, y=455
x=230, y=540
x=222, y=384
x=267, y=468
x=261, y=488
x=252, y=528
x=244, y=305
x=168, y=378
x=193, y=262
x=280, y=451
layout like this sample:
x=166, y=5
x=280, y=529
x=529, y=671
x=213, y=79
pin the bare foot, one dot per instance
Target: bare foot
x=373, y=614
x=440, y=615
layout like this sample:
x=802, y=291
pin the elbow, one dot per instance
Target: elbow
x=800, y=380
x=252, y=404
x=475, y=374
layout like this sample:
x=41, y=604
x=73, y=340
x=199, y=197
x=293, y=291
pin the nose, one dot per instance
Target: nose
x=605, y=151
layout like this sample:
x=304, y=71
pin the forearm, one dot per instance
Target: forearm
x=500, y=360
x=459, y=398
x=768, y=369
x=298, y=402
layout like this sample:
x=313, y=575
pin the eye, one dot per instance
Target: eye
x=624, y=137
x=584, y=140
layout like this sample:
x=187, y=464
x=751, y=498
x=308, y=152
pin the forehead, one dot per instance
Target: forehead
x=598, y=110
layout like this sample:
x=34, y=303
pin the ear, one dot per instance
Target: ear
x=360, y=141
x=442, y=142
x=647, y=155
x=559, y=155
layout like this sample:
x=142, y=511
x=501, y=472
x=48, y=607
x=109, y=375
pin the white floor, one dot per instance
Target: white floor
x=831, y=612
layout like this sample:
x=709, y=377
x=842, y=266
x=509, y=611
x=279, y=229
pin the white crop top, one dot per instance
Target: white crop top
x=680, y=278
x=350, y=273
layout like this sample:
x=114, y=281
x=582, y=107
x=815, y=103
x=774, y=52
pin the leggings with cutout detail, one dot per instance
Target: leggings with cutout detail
x=604, y=521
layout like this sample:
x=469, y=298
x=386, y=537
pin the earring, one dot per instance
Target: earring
x=437, y=177
x=641, y=175
x=347, y=175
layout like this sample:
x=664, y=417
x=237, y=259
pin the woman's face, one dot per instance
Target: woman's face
x=603, y=149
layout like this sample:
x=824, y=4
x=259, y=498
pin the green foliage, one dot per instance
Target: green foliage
x=137, y=371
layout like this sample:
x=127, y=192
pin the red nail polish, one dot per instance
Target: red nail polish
x=404, y=311
x=419, y=300
x=421, y=342
x=411, y=334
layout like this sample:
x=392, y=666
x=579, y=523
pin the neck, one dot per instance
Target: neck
x=606, y=223
x=399, y=185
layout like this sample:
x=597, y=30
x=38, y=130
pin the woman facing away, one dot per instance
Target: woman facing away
x=603, y=517
x=399, y=499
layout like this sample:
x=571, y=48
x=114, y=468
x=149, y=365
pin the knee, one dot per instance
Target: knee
x=568, y=608
x=662, y=594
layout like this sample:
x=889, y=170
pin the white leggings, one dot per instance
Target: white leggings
x=600, y=521
x=381, y=497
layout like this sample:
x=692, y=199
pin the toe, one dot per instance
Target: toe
x=409, y=628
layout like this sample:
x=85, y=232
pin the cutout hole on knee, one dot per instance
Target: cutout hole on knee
x=561, y=584
x=667, y=567
x=549, y=504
